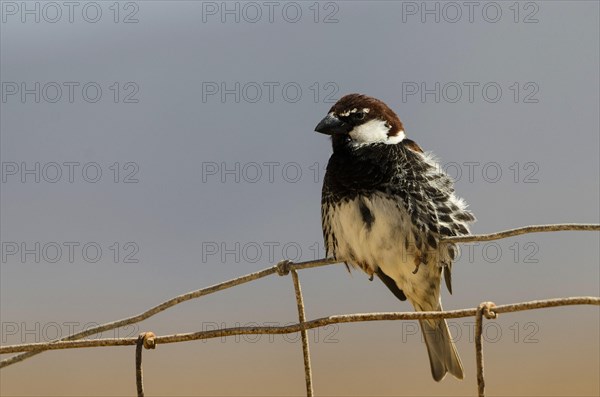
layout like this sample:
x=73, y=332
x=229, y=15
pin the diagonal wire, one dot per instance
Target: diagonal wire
x=559, y=227
x=170, y=303
x=275, y=269
x=148, y=340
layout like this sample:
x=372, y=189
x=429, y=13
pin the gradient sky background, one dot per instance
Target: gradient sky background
x=185, y=205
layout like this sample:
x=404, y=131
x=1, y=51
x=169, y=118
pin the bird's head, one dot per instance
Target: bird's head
x=361, y=119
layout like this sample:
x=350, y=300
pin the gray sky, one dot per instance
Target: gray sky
x=199, y=117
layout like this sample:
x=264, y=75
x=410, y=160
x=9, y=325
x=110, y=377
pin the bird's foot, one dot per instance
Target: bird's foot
x=417, y=264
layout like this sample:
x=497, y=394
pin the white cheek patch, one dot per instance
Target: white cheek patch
x=374, y=131
x=396, y=139
x=371, y=131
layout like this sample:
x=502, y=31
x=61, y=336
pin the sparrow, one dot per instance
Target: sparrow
x=385, y=207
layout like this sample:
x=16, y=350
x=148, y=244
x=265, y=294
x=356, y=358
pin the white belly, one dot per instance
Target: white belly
x=383, y=244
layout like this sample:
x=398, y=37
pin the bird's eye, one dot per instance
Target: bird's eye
x=359, y=115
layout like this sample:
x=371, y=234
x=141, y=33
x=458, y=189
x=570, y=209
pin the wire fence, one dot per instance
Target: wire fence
x=149, y=340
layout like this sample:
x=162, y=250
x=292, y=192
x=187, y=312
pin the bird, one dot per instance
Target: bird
x=385, y=207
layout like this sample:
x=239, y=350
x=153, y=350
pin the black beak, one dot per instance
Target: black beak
x=331, y=125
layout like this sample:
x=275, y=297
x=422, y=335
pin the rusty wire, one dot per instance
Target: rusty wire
x=146, y=340
x=139, y=380
x=293, y=328
x=149, y=340
x=302, y=322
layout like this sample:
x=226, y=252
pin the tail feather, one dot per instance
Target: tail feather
x=443, y=356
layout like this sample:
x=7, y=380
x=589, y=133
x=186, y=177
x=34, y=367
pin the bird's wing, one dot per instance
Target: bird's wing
x=427, y=194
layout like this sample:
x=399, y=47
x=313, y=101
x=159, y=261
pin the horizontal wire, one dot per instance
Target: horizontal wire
x=281, y=268
x=320, y=322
